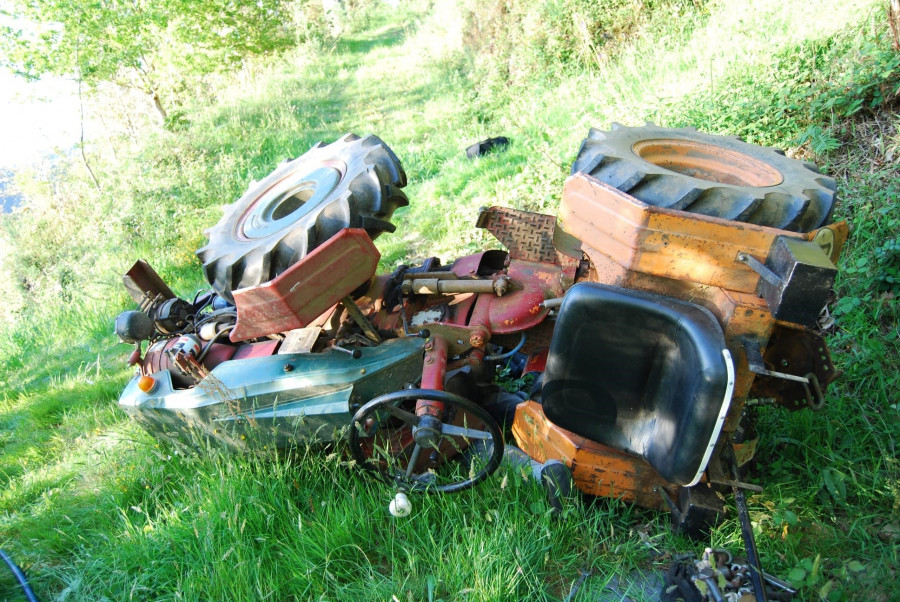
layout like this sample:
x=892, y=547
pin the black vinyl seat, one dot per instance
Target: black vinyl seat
x=642, y=373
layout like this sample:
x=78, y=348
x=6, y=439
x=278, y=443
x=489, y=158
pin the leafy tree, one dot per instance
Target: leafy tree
x=154, y=45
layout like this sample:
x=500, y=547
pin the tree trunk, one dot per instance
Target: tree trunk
x=157, y=103
x=894, y=21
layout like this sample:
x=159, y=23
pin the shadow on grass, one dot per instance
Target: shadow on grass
x=364, y=44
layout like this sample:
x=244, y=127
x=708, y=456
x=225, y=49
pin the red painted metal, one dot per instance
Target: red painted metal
x=433, y=374
x=468, y=265
x=264, y=349
x=480, y=322
x=157, y=359
x=521, y=309
x=461, y=309
x=217, y=354
x=536, y=362
x=308, y=288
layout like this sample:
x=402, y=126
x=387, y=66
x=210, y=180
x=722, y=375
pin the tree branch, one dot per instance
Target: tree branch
x=81, y=121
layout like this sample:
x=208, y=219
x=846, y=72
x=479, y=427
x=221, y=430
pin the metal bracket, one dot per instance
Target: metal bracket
x=815, y=397
x=360, y=319
x=764, y=272
x=757, y=365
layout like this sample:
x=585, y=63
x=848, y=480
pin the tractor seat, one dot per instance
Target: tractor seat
x=644, y=374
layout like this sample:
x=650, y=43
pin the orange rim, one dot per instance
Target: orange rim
x=707, y=162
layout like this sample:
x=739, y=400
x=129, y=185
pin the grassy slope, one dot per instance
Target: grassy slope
x=93, y=508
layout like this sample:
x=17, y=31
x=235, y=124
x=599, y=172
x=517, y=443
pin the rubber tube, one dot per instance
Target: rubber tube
x=20, y=577
x=510, y=353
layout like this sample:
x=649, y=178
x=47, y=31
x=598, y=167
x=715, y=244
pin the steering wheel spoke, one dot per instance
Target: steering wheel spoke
x=465, y=433
x=407, y=417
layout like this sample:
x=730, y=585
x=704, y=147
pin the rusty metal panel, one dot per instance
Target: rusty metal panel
x=596, y=469
x=663, y=242
x=528, y=236
x=516, y=311
x=796, y=351
x=521, y=309
x=307, y=289
x=143, y=283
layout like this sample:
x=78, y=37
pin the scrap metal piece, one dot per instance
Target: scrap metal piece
x=527, y=235
x=779, y=583
x=142, y=283
x=740, y=500
x=803, y=368
x=758, y=366
x=698, y=509
x=713, y=592
x=795, y=281
x=300, y=340
x=361, y=320
x=750, y=544
x=448, y=286
x=765, y=273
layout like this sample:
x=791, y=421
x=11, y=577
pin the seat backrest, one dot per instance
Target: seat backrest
x=642, y=373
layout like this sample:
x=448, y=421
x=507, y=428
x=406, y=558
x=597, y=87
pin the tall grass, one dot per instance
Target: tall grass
x=92, y=507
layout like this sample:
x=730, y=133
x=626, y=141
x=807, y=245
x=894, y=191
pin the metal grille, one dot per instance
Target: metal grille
x=528, y=236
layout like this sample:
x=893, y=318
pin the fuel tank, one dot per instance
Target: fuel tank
x=274, y=401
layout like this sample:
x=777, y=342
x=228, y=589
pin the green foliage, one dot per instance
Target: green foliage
x=522, y=44
x=887, y=258
x=804, y=90
x=154, y=46
x=567, y=34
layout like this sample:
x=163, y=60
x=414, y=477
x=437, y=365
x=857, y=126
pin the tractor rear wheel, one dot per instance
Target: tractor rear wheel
x=719, y=176
x=352, y=183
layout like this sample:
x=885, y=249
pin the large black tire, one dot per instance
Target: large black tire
x=720, y=176
x=352, y=183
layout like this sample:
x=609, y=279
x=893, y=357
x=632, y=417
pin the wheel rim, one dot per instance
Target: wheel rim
x=397, y=469
x=286, y=202
x=707, y=162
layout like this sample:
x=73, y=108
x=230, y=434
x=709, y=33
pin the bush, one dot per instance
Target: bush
x=804, y=91
x=572, y=34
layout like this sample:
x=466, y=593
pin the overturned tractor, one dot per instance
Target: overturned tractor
x=683, y=275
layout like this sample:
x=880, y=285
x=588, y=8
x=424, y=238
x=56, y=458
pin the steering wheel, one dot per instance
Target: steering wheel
x=462, y=447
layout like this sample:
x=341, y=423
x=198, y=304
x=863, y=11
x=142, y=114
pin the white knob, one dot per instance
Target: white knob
x=400, y=505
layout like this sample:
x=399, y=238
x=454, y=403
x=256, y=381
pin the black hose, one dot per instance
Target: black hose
x=20, y=577
x=215, y=338
x=509, y=353
x=756, y=578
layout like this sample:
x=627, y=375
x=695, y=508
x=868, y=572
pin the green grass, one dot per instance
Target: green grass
x=92, y=507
